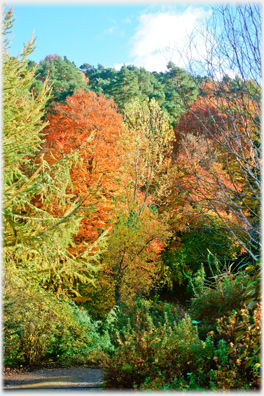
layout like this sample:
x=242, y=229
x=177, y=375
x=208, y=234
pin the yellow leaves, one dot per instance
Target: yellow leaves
x=134, y=246
x=151, y=138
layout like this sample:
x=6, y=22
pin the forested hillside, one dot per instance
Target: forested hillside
x=131, y=210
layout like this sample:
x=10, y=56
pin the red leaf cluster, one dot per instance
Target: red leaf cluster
x=70, y=127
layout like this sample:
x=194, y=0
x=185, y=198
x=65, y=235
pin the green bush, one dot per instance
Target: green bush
x=82, y=340
x=137, y=312
x=145, y=350
x=158, y=349
x=238, y=364
x=217, y=297
x=40, y=328
x=233, y=366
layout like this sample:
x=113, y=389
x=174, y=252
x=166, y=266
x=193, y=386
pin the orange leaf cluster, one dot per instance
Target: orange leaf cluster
x=51, y=58
x=71, y=125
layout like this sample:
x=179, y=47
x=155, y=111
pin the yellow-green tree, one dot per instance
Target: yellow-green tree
x=35, y=241
x=139, y=232
x=149, y=138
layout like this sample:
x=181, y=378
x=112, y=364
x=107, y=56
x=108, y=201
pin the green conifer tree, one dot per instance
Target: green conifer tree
x=63, y=76
x=125, y=88
x=36, y=240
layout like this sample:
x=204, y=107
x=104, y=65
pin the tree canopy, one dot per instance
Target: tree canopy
x=63, y=76
x=131, y=82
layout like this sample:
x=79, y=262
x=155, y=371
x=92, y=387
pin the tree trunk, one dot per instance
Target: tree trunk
x=117, y=281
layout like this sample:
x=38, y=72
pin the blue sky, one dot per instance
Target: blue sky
x=110, y=34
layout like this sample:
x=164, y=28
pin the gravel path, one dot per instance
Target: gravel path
x=89, y=378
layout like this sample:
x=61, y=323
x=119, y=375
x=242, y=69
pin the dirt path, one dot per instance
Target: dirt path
x=57, y=378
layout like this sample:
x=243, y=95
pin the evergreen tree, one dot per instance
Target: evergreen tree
x=125, y=88
x=63, y=76
x=148, y=85
x=101, y=80
x=177, y=85
x=132, y=82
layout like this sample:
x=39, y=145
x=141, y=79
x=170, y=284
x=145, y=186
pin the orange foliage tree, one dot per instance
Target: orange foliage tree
x=96, y=178
x=229, y=113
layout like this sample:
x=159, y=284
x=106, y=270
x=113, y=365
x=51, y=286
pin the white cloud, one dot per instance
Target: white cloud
x=110, y=30
x=127, y=20
x=114, y=30
x=118, y=66
x=158, y=34
x=228, y=72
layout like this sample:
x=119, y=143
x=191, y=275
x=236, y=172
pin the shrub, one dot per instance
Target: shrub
x=137, y=312
x=156, y=352
x=82, y=339
x=238, y=365
x=146, y=351
x=40, y=328
x=233, y=367
x=218, y=297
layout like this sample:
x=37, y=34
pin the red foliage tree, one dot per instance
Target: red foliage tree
x=71, y=126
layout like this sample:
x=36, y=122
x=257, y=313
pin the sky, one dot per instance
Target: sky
x=110, y=34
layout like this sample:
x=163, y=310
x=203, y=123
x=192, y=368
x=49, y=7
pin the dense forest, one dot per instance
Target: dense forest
x=131, y=210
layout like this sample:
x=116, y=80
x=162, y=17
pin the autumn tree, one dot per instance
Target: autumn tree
x=132, y=259
x=72, y=125
x=231, y=125
x=151, y=136
x=51, y=58
x=139, y=233
x=196, y=198
x=214, y=196
x=121, y=168
x=229, y=118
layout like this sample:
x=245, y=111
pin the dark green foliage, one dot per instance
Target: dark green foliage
x=251, y=297
x=125, y=88
x=252, y=293
x=100, y=79
x=63, y=76
x=151, y=345
x=178, y=85
x=182, y=262
x=218, y=296
x=195, y=244
x=132, y=82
